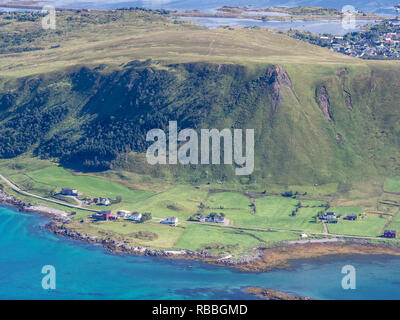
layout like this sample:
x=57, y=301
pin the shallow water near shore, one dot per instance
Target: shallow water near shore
x=85, y=271
x=320, y=26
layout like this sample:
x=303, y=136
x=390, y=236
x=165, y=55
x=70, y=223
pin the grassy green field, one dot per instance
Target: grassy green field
x=369, y=225
x=228, y=200
x=195, y=237
x=180, y=201
x=366, y=225
x=91, y=186
x=183, y=201
x=274, y=212
x=392, y=184
x=346, y=210
x=395, y=225
x=228, y=241
x=161, y=236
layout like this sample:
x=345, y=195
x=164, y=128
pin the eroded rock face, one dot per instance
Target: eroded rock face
x=347, y=99
x=339, y=139
x=323, y=102
x=277, y=78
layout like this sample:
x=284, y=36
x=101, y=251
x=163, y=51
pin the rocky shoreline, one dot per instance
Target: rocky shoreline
x=119, y=247
x=19, y=205
x=112, y=246
x=11, y=201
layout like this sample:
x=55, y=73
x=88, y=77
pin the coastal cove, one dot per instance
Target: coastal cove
x=87, y=271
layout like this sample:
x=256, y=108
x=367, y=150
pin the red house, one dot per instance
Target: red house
x=104, y=215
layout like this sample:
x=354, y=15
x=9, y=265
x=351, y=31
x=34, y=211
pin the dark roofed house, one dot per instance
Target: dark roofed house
x=113, y=216
x=351, y=217
x=105, y=215
x=390, y=234
x=104, y=201
x=330, y=217
x=69, y=192
x=173, y=221
x=136, y=216
x=215, y=219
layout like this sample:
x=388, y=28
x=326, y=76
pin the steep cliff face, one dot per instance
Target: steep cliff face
x=277, y=78
x=88, y=118
x=323, y=102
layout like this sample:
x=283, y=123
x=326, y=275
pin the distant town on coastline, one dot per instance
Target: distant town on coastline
x=380, y=41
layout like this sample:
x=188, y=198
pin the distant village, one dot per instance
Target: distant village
x=378, y=42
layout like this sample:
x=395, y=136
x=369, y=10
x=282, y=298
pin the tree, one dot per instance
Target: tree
x=146, y=217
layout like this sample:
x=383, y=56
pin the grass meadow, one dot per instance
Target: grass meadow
x=392, y=184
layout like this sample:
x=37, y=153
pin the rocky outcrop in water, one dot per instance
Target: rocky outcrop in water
x=269, y=294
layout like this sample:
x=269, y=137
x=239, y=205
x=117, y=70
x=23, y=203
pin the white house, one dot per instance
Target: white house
x=304, y=235
x=136, y=216
x=173, y=221
x=124, y=214
x=105, y=201
x=215, y=219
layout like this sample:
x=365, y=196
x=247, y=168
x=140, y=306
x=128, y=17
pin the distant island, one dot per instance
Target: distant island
x=276, y=13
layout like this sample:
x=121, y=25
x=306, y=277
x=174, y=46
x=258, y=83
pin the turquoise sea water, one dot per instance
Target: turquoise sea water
x=85, y=271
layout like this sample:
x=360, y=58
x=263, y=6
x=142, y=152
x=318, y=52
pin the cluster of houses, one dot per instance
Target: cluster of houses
x=99, y=201
x=379, y=42
x=74, y=193
x=213, y=218
x=107, y=215
x=330, y=217
x=210, y=218
x=387, y=46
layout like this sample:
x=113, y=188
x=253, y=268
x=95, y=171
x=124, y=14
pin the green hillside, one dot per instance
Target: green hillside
x=97, y=84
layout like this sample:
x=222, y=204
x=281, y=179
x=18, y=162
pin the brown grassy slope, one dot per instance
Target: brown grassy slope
x=120, y=37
